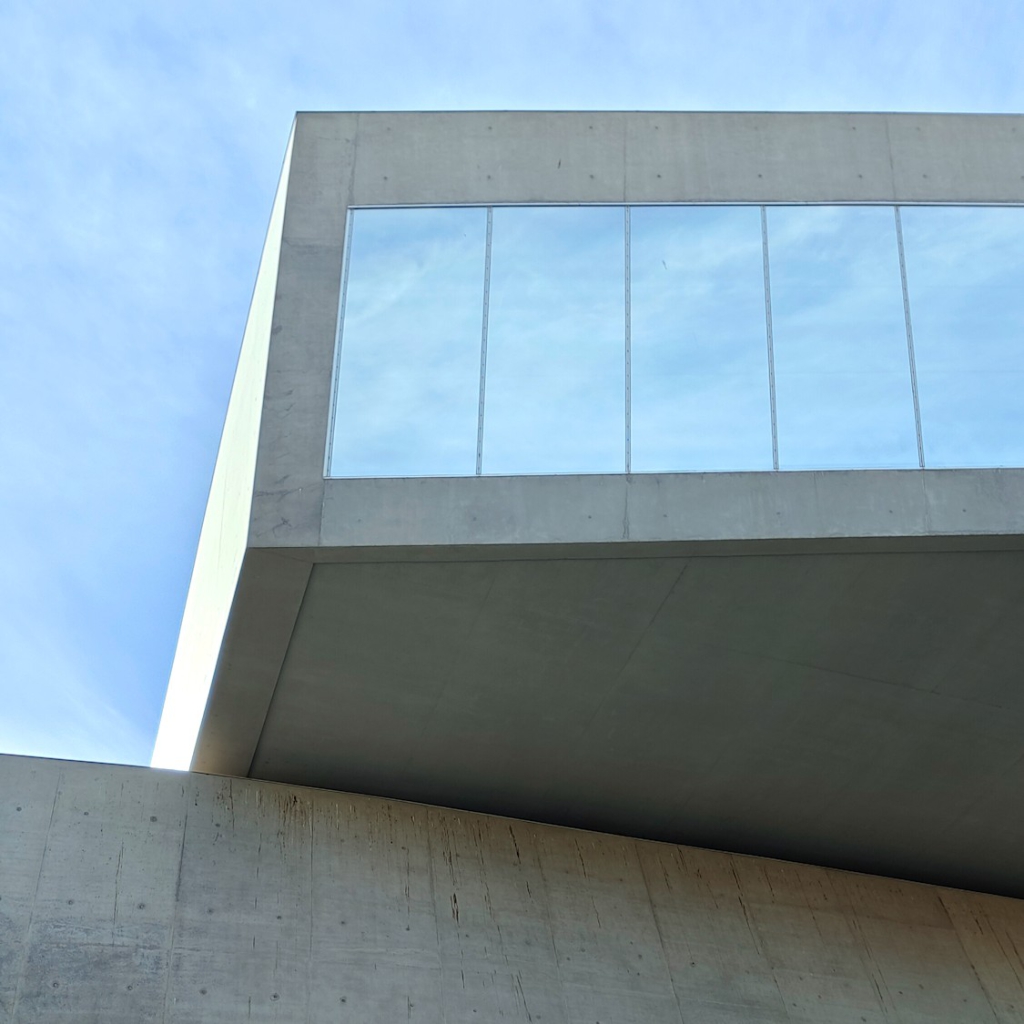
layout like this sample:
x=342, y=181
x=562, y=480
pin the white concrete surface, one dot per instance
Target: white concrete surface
x=133, y=895
x=224, y=536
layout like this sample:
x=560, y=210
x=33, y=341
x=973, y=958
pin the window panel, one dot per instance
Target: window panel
x=700, y=395
x=409, y=371
x=965, y=277
x=555, y=359
x=841, y=366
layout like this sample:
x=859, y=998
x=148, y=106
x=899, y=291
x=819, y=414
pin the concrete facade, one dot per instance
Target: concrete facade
x=133, y=895
x=821, y=666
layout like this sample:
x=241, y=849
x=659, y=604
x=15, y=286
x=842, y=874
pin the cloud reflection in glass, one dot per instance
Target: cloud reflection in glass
x=700, y=396
x=842, y=370
x=408, y=380
x=555, y=398
x=409, y=366
x=965, y=277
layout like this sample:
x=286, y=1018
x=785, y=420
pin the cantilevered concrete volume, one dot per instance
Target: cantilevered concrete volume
x=822, y=665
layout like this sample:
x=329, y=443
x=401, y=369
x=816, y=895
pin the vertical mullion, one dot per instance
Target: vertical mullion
x=483, y=344
x=629, y=348
x=336, y=380
x=910, y=338
x=769, y=336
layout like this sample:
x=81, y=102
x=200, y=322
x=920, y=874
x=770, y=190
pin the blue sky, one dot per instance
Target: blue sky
x=140, y=146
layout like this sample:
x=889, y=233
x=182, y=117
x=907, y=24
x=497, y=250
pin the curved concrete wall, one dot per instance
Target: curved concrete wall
x=129, y=894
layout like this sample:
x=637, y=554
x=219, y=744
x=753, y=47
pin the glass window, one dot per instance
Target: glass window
x=409, y=372
x=556, y=347
x=842, y=372
x=965, y=278
x=408, y=378
x=700, y=395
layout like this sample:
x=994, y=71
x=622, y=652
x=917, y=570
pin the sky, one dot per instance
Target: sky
x=140, y=146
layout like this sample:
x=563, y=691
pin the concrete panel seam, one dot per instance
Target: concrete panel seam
x=658, y=929
x=27, y=944
x=280, y=670
x=177, y=893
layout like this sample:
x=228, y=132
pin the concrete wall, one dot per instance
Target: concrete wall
x=130, y=894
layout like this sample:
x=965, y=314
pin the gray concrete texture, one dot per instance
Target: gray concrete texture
x=134, y=895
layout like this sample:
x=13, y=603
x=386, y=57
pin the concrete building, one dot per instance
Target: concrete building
x=803, y=644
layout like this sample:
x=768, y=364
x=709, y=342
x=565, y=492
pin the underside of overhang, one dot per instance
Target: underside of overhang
x=861, y=709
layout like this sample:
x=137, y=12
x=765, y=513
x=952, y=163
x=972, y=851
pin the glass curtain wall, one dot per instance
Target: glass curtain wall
x=610, y=339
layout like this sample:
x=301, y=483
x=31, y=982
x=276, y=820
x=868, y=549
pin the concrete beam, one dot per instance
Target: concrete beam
x=745, y=509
